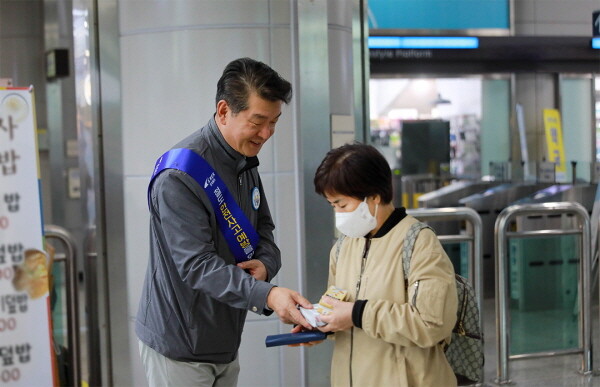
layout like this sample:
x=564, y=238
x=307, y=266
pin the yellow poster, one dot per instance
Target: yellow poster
x=26, y=354
x=554, y=140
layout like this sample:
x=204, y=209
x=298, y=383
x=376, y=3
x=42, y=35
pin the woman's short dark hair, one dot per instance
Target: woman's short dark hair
x=245, y=75
x=355, y=170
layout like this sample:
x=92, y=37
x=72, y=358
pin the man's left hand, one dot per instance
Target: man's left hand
x=255, y=268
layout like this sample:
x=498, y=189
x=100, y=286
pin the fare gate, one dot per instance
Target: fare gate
x=506, y=232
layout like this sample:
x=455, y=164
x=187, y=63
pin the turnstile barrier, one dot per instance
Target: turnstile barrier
x=546, y=245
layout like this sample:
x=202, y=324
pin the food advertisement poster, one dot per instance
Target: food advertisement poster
x=26, y=356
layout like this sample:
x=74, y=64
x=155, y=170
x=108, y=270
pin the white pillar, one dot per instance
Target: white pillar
x=159, y=66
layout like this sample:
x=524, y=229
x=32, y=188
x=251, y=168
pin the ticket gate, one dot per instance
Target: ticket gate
x=543, y=284
x=544, y=271
x=488, y=204
x=450, y=195
x=583, y=194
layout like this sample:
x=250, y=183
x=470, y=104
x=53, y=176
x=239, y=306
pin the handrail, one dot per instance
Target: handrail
x=475, y=258
x=56, y=232
x=502, y=309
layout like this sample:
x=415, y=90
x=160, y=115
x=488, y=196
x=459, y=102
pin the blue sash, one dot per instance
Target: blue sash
x=233, y=223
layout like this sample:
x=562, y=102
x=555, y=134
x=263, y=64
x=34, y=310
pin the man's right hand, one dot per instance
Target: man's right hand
x=284, y=302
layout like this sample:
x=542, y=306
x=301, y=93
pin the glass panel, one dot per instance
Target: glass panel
x=60, y=332
x=543, y=283
x=58, y=303
x=495, y=118
x=459, y=256
x=578, y=136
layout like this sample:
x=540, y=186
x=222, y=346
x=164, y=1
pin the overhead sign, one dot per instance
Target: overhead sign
x=439, y=15
x=26, y=355
x=424, y=42
x=554, y=142
x=485, y=54
x=596, y=23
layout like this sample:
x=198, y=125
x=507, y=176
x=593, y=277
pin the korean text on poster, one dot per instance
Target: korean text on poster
x=26, y=357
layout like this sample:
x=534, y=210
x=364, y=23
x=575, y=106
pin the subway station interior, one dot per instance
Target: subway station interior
x=456, y=94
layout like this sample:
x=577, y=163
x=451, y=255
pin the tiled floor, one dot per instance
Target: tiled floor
x=546, y=371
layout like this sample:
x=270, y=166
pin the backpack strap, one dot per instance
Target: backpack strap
x=338, y=246
x=409, y=244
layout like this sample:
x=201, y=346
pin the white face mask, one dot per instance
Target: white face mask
x=358, y=223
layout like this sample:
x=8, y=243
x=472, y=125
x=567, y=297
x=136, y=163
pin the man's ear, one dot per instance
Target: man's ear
x=222, y=109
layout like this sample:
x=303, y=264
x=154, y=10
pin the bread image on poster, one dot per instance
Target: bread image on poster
x=31, y=275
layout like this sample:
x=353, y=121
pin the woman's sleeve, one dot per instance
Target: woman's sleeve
x=333, y=257
x=429, y=315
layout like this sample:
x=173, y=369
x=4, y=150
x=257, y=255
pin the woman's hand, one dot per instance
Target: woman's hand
x=340, y=317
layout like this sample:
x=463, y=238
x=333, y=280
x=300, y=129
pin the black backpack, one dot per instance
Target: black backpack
x=465, y=351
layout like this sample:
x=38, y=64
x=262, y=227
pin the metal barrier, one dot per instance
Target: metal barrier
x=502, y=296
x=475, y=275
x=58, y=233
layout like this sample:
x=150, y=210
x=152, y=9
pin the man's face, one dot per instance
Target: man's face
x=248, y=130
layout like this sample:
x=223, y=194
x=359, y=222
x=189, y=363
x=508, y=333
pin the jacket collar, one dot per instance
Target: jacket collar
x=241, y=162
x=391, y=221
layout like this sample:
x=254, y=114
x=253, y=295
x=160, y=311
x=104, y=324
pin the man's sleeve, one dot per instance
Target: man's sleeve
x=185, y=222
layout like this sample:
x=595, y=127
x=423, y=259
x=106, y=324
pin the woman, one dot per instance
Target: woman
x=383, y=336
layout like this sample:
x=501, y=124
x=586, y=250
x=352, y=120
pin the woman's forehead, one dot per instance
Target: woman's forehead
x=334, y=197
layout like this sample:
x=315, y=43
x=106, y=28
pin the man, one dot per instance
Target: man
x=195, y=296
